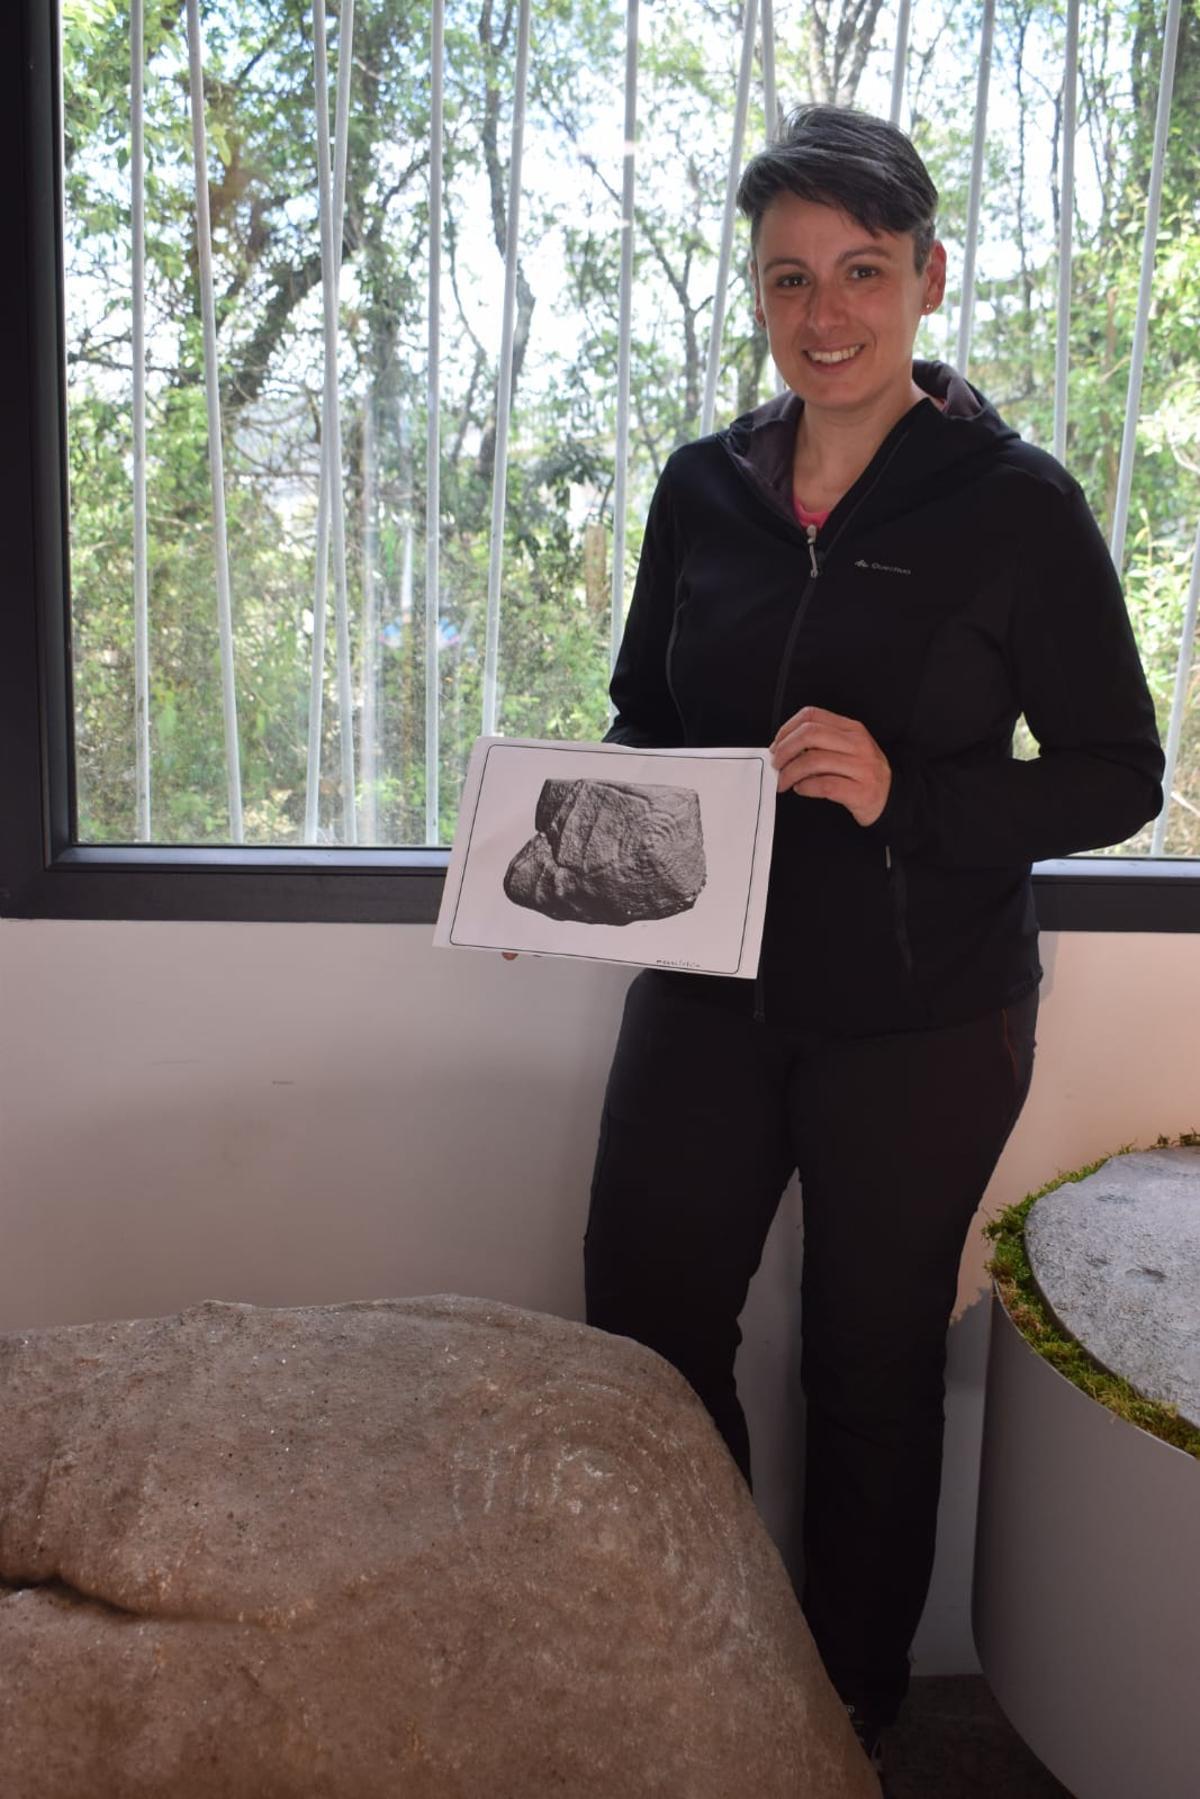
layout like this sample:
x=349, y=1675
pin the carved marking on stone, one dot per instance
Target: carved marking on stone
x=610, y=852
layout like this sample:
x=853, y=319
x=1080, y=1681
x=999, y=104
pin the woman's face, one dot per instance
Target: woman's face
x=841, y=305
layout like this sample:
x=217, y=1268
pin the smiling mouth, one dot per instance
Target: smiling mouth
x=827, y=358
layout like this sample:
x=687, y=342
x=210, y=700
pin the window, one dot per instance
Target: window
x=276, y=667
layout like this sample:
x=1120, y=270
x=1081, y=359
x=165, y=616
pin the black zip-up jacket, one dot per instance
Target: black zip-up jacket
x=960, y=582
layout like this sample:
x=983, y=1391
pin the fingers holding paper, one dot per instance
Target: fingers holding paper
x=822, y=756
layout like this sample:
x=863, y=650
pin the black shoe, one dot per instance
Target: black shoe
x=870, y=1736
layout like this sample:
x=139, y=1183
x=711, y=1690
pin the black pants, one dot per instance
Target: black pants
x=707, y=1114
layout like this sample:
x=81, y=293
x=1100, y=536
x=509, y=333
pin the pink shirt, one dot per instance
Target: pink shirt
x=808, y=518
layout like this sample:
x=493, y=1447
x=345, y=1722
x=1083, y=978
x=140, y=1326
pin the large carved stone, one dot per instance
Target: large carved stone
x=610, y=852
x=423, y=1549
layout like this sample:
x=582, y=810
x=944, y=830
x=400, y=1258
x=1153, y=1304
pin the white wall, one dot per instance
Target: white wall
x=291, y=1114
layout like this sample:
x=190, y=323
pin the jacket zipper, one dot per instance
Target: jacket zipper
x=785, y=663
x=898, y=884
x=802, y=605
x=670, y=651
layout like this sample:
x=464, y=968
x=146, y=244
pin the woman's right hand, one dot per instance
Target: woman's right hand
x=822, y=755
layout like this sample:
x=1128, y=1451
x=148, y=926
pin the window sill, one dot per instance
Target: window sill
x=393, y=886
x=1118, y=893
x=276, y=886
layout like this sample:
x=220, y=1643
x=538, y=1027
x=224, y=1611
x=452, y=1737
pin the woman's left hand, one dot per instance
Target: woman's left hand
x=822, y=756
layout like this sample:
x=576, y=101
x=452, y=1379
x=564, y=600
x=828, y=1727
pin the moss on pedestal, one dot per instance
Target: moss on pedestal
x=1024, y=1304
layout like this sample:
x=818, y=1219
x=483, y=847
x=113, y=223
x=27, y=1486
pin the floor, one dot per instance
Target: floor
x=952, y=1741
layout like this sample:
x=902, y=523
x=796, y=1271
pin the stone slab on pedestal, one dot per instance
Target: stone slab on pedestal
x=1116, y=1257
x=424, y=1549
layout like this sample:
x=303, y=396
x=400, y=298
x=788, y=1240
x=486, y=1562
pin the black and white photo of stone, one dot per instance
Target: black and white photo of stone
x=610, y=852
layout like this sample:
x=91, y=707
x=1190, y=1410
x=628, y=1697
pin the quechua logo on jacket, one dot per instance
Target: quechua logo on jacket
x=883, y=568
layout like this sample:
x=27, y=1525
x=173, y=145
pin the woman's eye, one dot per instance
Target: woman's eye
x=791, y=280
x=864, y=268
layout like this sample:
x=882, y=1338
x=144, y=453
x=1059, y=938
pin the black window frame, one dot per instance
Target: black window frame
x=44, y=871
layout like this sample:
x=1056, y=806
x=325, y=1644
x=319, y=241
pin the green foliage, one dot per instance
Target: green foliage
x=555, y=629
x=1028, y=1310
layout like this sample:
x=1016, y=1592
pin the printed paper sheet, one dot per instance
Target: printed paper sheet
x=653, y=857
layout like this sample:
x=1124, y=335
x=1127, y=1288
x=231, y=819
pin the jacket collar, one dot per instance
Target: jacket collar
x=763, y=441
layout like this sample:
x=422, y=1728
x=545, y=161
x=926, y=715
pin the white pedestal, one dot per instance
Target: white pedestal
x=1086, y=1605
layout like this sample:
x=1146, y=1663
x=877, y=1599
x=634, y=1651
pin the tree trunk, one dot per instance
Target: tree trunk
x=494, y=48
x=840, y=36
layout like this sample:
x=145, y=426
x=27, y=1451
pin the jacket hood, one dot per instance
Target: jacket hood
x=966, y=425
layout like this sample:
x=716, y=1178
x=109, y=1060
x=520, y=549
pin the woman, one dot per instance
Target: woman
x=874, y=575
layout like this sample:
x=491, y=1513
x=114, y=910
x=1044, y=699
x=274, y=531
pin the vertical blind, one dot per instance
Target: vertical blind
x=356, y=786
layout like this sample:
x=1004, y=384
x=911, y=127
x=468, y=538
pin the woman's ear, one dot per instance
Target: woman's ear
x=935, y=276
x=760, y=317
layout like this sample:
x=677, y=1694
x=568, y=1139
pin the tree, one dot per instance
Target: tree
x=259, y=104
